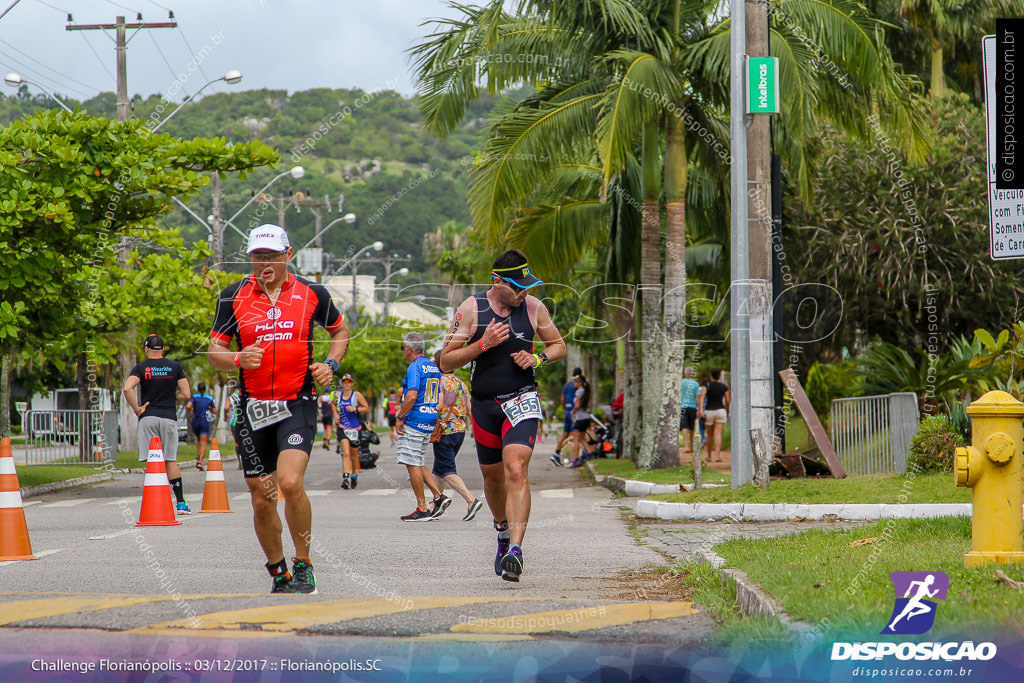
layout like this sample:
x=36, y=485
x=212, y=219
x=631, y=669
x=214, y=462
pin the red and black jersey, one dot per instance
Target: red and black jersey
x=284, y=330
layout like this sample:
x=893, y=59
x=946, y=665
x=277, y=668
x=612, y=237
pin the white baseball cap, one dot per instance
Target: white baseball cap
x=268, y=236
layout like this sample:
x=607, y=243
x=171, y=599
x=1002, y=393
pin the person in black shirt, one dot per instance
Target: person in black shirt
x=161, y=382
x=715, y=412
x=506, y=333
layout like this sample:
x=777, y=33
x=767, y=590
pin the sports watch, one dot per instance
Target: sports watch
x=332, y=364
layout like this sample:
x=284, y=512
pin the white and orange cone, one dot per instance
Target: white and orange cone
x=215, y=493
x=157, y=506
x=14, y=541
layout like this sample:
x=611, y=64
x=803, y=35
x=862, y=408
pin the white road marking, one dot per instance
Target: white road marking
x=31, y=502
x=38, y=556
x=556, y=493
x=68, y=503
x=128, y=501
x=378, y=492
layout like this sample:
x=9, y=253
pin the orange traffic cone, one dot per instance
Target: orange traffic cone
x=157, y=508
x=215, y=493
x=280, y=494
x=14, y=543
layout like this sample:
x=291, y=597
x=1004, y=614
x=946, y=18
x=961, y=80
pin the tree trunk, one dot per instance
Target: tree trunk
x=650, y=299
x=938, y=88
x=675, y=296
x=5, y=396
x=631, y=400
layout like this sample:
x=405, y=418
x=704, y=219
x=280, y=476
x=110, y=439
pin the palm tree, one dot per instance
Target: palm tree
x=646, y=83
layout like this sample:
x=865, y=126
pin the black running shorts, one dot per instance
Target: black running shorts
x=259, y=448
x=492, y=431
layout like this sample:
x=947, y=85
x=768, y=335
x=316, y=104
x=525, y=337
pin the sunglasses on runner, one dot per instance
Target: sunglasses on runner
x=267, y=257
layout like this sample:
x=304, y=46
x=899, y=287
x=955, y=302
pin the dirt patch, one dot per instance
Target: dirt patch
x=639, y=585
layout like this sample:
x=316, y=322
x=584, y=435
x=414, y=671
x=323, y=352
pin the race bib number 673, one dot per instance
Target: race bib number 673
x=264, y=413
x=523, y=407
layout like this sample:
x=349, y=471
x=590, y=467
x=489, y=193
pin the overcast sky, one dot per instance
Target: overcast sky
x=282, y=44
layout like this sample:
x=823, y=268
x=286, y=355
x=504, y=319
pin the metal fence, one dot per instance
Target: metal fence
x=70, y=437
x=871, y=434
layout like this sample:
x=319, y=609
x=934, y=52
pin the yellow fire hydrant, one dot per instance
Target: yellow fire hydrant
x=991, y=465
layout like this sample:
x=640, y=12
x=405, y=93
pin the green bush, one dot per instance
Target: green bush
x=932, y=448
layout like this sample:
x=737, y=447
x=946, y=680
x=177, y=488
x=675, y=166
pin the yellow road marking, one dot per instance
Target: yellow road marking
x=580, y=619
x=71, y=603
x=294, y=616
x=473, y=637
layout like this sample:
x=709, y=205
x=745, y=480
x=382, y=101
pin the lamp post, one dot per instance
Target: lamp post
x=14, y=80
x=347, y=218
x=387, y=290
x=376, y=246
x=230, y=78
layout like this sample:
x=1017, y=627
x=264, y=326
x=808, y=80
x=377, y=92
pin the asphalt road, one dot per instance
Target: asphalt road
x=381, y=581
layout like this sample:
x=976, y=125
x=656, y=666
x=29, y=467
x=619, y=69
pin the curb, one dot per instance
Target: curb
x=784, y=512
x=54, y=486
x=634, y=488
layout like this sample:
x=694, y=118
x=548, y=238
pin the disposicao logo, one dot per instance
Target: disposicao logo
x=913, y=613
x=916, y=595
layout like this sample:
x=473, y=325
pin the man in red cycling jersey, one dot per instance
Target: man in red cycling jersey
x=270, y=316
x=496, y=331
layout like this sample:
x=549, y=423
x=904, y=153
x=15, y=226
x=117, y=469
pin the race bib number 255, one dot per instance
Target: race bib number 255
x=523, y=407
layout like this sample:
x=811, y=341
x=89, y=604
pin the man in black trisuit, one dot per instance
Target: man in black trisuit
x=495, y=330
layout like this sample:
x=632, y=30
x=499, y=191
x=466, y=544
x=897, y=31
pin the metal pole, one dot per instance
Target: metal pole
x=742, y=465
x=355, y=307
x=216, y=229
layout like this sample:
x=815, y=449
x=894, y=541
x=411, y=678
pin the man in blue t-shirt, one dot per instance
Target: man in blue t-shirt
x=202, y=406
x=415, y=421
x=568, y=401
x=688, y=413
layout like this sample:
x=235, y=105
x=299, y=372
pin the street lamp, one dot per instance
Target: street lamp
x=230, y=77
x=376, y=246
x=14, y=80
x=387, y=290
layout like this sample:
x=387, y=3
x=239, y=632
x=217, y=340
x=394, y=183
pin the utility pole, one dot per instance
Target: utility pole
x=759, y=214
x=129, y=426
x=739, y=335
x=388, y=262
x=121, y=46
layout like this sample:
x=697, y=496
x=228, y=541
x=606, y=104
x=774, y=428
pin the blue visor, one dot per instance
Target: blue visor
x=520, y=276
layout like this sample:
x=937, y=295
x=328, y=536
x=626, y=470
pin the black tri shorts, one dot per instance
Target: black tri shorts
x=493, y=431
x=259, y=448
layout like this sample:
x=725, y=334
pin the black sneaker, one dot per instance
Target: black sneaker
x=512, y=565
x=441, y=504
x=282, y=584
x=345, y=482
x=302, y=577
x=416, y=515
x=355, y=480
x=473, y=509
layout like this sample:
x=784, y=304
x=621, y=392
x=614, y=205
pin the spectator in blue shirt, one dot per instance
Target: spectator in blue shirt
x=415, y=421
x=688, y=413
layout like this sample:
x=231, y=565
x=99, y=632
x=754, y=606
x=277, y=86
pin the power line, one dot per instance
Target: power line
x=192, y=52
x=166, y=9
x=37, y=75
x=62, y=75
x=174, y=76
x=99, y=59
x=111, y=2
x=62, y=11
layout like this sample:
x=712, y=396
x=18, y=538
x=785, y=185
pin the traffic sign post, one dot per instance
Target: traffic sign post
x=1005, y=207
x=762, y=85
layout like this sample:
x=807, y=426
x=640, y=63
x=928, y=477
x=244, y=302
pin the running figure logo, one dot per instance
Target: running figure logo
x=916, y=595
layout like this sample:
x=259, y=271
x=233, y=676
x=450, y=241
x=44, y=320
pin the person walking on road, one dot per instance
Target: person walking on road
x=415, y=421
x=496, y=331
x=327, y=416
x=270, y=316
x=688, y=413
x=202, y=406
x=161, y=382
x=715, y=412
x=453, y=413
x=392, y=415
x=348, y=404
x=568, y=400
x=581, y=419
